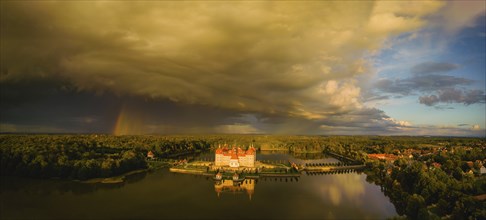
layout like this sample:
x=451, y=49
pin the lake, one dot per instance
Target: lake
x=163, y=195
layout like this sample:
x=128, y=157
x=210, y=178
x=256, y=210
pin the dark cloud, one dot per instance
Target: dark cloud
x=374, y=120
x=17, y=92
x=429, y=100
x=435, y=82
x=451, y=95
x=206, y=53
x=420, y=83
x=62, y=112
x=425, y=79
x=432, y=88
x=203, y=54
x=57, y=107
x=433, y=67
x=85, y=112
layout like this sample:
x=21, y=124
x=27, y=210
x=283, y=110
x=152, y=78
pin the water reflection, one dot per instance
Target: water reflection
x=342, y=186
x=336, y=189
x=230, y=186
x=46, y=187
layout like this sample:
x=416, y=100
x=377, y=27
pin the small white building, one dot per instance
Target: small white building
x=482, y=171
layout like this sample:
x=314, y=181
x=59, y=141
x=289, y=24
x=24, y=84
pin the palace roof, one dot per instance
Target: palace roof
x=235, y=151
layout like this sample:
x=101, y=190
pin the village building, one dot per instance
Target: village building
x=150, y=155
x=482, y=170
x=235, y=157
x=388, y=157
x=435, y=165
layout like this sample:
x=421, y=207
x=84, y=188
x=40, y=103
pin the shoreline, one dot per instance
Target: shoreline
x=113, y=179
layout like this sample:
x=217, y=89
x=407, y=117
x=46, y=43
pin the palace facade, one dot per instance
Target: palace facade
x=235, y=157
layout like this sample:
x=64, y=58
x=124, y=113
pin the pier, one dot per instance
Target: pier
x=341, y=157
x=333, y=168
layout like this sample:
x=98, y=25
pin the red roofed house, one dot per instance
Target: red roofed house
x=436, y=165
x=235, y=157
x=150, y=155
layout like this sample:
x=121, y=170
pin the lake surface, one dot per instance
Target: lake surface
x=164, y=195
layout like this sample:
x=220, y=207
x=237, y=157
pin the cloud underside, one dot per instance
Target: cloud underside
x=433, y=67
x=454, y=96
x=248, y=67
x=430, y=83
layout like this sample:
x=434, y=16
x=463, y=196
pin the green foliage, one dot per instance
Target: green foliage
x=416, y=207
x=67, y=156
x=421, y=193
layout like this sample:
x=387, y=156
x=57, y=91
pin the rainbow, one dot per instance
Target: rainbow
x=129, y=122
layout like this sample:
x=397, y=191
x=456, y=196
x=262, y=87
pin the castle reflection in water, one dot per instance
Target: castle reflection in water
x=229, y=186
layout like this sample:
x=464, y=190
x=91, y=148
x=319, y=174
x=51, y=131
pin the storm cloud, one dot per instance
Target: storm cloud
x=420, y=83
x=162, y=67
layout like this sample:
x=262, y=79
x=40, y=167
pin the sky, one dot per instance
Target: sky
x=244, y=67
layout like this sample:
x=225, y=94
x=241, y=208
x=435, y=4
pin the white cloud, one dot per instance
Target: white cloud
x=476, y=127
x=398, y=122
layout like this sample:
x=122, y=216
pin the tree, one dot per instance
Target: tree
x=457, y=173
x=107, y=167
x=416, y=208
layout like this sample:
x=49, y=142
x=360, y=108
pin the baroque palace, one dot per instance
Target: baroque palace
x=235, y=157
